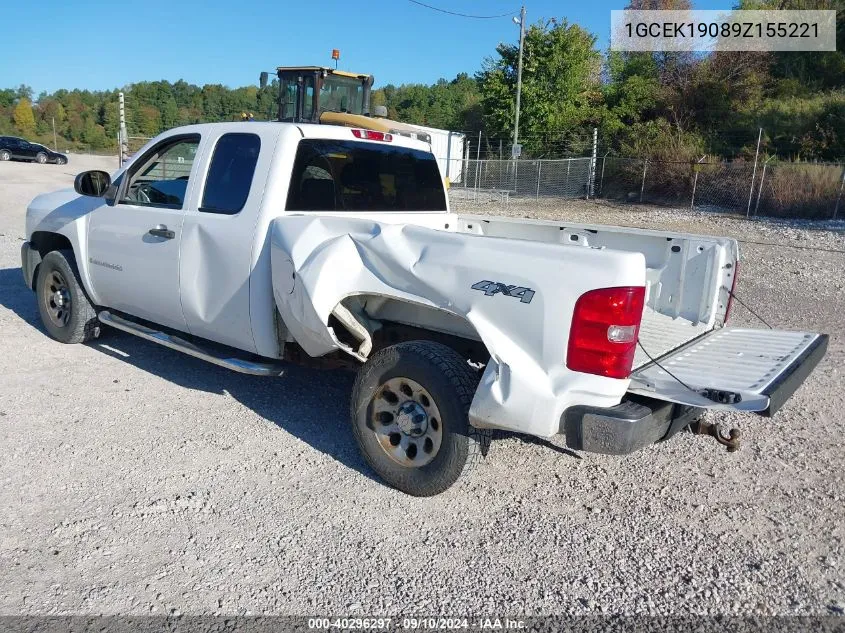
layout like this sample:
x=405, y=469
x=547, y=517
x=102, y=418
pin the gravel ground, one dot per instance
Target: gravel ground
x=136, y=480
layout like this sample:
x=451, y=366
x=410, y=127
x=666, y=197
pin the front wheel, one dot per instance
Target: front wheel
x=65, y=310
x=409, y=416
x=60, y=161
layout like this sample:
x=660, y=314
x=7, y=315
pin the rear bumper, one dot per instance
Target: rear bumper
x=30, y=258
x=625, y=428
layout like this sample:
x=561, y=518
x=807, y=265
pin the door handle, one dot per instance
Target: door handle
x=161, y=231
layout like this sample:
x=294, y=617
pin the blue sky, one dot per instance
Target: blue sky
x=99, y=44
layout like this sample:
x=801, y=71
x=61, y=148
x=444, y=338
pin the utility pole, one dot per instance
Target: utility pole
x=123, y=142
x=521, y=23
x=591, y=177
x=55, y=141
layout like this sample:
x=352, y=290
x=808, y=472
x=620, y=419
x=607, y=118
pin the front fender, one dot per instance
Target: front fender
x=317, y=261
x=65, y=213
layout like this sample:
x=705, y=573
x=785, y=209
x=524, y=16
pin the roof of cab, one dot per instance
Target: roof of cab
x=307, y=130
x=326, y=69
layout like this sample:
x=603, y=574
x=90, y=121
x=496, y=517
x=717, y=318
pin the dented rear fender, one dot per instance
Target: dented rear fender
x=517, y=295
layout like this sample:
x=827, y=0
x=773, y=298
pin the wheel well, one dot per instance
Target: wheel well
x=44, y=242
x=392, y=333
x=388, y=321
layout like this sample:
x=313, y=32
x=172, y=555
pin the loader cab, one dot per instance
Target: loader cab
x=307, y=92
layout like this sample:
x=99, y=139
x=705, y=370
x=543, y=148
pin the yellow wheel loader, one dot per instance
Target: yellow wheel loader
x=316, y=94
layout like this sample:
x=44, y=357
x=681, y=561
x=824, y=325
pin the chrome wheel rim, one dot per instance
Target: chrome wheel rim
x=56, y=297
x=42, y=159
x=4, y=155
x=406, y=422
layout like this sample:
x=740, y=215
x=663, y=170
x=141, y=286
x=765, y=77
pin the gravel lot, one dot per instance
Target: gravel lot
x=137, y=480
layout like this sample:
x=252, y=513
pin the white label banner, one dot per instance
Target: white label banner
x=704, y=31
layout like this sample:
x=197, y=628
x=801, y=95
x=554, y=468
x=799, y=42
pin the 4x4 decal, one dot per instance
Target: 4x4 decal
x=490, y=288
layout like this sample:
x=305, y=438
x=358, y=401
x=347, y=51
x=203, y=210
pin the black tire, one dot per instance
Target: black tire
x=449, y=380
x=41, y=158
x=69, y=317
x=60, y=161
x=5, y=155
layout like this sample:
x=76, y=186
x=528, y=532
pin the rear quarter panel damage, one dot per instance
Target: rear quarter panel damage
x=317, y=261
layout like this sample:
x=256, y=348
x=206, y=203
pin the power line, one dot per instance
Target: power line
x=461, y=15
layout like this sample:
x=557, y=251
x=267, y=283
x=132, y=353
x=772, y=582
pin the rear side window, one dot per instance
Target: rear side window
x=331, y=175
x=230, y=174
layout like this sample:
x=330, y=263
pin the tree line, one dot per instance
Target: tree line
x=85, y=118
x=665, y=106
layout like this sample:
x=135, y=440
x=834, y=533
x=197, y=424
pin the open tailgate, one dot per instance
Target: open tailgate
x=737, y=368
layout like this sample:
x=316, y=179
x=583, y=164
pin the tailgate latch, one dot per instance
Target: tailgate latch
x=731, y=442
x=721, y=396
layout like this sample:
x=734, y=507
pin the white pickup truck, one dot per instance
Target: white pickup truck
x=255, y=245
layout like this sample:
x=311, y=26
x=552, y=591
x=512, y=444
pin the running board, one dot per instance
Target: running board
x=174, y=342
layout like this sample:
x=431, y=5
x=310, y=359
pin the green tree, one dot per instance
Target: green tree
x=802, y=73
x=24, y=92
x=95, y=136
x=110, y=117
x=561, y=89
x=633, y=92
x=24, y=119
x=169, y=113
x=450, y=105
x=149, y=120
x=7, y=97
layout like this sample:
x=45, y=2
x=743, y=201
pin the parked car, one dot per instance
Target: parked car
x=253, y=246
x=14, y=148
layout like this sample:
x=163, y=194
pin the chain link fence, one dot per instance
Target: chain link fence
x=497, y=182
x=699, y=186
x=802, y=190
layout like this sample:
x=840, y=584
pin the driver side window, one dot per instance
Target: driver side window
x=161, y=176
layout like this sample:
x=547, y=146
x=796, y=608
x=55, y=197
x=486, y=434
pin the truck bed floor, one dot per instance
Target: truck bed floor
x=660, y=334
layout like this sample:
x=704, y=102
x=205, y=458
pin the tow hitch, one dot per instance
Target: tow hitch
x=731, y=442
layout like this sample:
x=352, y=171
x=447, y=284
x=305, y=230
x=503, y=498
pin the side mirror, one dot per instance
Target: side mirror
x=93, y=183
x=262, y=79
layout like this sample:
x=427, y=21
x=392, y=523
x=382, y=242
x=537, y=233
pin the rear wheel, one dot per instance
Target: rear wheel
x=41, y=158
x=409, y=416
x=5, y=155
x=65, y=310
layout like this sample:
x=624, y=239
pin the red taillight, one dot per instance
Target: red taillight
x=731, y=295
x=372, y=135
x=605, y=326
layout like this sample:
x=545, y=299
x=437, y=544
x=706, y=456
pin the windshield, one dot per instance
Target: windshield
x=342, y=94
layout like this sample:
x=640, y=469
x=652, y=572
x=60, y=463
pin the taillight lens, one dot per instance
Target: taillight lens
x=372, y=135
x=731, y=295
x=605, y=327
